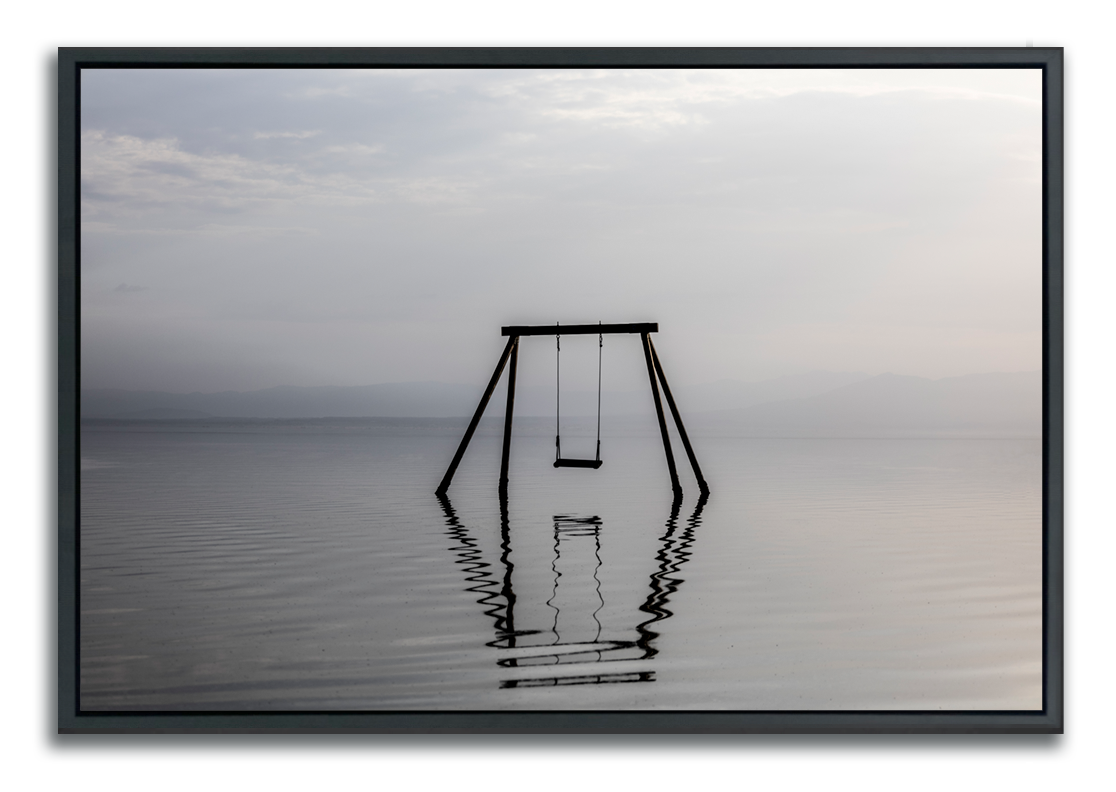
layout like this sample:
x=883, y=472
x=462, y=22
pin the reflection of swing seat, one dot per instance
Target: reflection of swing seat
x=582, y=463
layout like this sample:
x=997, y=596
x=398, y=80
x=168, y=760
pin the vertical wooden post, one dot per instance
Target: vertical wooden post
x=674, y=485
x=508, y=418
x=678, y=421
x=446, y=479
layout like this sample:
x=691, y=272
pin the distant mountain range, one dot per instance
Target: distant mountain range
x=813, y=404
x=890, y=404
x=396, y=400
x=438, y=399
x=734, y=394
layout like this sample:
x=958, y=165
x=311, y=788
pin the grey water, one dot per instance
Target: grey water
x=285, y=565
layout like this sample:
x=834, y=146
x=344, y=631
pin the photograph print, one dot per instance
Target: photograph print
x=570, y=389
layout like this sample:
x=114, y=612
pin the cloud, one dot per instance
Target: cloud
x=658, y=98
x=124, y=176
x=318, y=91
x=204, y=230
x=149, y=173
x=293, y=135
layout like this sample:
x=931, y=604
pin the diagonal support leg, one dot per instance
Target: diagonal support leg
x=508, y=419
x=674, y=484
x=446, y=479
x=678, y=421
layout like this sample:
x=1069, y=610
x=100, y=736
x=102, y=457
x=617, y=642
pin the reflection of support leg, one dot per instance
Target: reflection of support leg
x=675, y=508
x=508, y=419
x=446, y=479
x=678, y=420
x=506, y=590
x=447, y=509
x=662, y=419
x=695, y=518
x=481, y=577
x=674, y=552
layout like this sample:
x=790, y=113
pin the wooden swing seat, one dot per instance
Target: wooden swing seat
x=580, y=463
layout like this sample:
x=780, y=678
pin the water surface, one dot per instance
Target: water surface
x=253, y=565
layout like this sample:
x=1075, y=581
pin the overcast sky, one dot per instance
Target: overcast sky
x=245, y=229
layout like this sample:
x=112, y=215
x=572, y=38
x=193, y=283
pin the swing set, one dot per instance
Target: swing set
x=654, y=373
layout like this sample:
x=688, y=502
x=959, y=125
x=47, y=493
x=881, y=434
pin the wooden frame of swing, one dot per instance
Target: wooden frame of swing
x=654, y=374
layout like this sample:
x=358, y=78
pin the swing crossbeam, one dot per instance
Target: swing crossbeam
x=654, y=373
x=581, y=329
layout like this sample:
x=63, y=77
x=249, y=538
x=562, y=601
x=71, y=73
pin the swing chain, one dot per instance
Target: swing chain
x=558, y=394
x=600, y=353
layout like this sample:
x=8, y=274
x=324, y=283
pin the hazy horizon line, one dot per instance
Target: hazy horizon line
x=474, y=384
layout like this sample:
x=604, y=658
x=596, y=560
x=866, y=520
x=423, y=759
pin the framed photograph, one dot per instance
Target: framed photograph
x=560, y=390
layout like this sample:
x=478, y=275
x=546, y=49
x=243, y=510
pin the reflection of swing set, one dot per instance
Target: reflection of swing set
x=654, y=373
x=572, y=648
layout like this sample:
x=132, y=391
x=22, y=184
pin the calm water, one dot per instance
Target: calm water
x=288, y=565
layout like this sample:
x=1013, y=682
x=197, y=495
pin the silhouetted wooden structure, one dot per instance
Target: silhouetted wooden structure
x=654, y=373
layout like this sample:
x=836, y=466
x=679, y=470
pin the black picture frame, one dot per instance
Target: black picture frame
x=70, y=718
